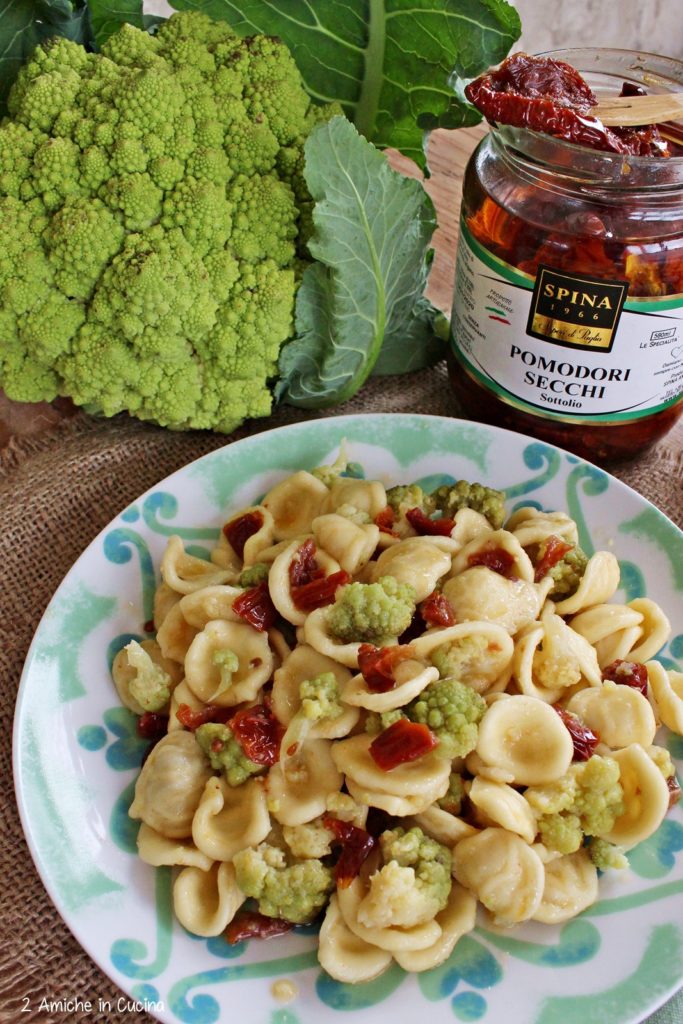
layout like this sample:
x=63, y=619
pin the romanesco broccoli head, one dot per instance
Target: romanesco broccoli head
x=151, y=685
x=255, y=574
x=292, y=891
x=406, y=496
x=413, y=884
x=450, y=498
x=356, y=515
x=606, y=855
x=452, y=711
x=225, y=753
x=373, y=613
x=150, y=205
x=378, y=721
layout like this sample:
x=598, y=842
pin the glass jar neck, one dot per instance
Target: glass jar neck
x=574, y=168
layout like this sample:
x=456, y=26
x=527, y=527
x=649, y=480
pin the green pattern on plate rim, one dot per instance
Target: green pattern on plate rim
x=613, y=964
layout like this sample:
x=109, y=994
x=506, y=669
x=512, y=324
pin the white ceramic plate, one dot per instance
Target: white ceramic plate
x=76, y=755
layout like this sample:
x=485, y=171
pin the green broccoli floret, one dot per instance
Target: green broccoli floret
x=606, y=855
x=151, y=224
x=292, y=891
x=586, y=801
x=413, y=884
x=452, y=799
x=254, y=575
x=406, y=496
x=568, y=573
x=372, y=613
x=225, y=753
x=151, y=685
x=450, y=498
x=320, y=699
x=458, y=659
x=452, y=711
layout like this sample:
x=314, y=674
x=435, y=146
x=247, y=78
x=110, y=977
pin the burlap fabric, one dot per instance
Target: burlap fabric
x=56, y=493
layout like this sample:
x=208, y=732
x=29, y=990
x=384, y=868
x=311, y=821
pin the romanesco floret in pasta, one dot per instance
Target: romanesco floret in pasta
x=254, y=574
x=450, y=498
x=374, y=613
x=662, y=758
x=606, y=855
x=586, y=801
x=319, y=700
x=356, y=515
x=452, y=711
x=413, y=884
x=328, y=474
x=378, y=721
x=293, y=890
x=459, y=658
x=227, y=663
x=225, y=753
x=151, y=685
x=406, y=496
x=568, y=573
x=452, y=799
x=312, y=839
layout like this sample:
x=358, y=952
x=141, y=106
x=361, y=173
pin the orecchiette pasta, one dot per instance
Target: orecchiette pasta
x=341, y=655
x=205, y=902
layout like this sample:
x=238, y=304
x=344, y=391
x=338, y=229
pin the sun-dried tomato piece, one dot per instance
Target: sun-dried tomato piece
x=402, y=742
x=437, y=610
x=553, y=551
x=629, y=673
x=497, y=559
x=377, y=665
x=193, y=719
x=152, y=726
x=249, y=924
x=385, y=519
x=584, y=739
x=149, y=626
x=303, y=568
x=356, y=846
x=238, y=531
x=674, y=787
x=427, y=527
x=550, y=96
x=319, y=592
x=259, y=733
x=256, y=607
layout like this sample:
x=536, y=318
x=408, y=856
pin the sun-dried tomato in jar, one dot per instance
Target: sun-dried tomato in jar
x=568, y=308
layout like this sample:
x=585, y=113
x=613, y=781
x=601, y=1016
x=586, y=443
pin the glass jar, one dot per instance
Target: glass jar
x=567, y=316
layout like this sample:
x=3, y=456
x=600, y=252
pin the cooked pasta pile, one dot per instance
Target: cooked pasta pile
x=385, y=707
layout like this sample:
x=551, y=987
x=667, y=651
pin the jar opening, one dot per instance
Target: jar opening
x=606, y=70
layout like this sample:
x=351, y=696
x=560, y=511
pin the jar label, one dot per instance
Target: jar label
x=564, y=345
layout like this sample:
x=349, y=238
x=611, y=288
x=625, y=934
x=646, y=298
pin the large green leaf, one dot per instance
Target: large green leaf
x=371, y=243
x=107, y=16
x=388, y=62
x=25, y=23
